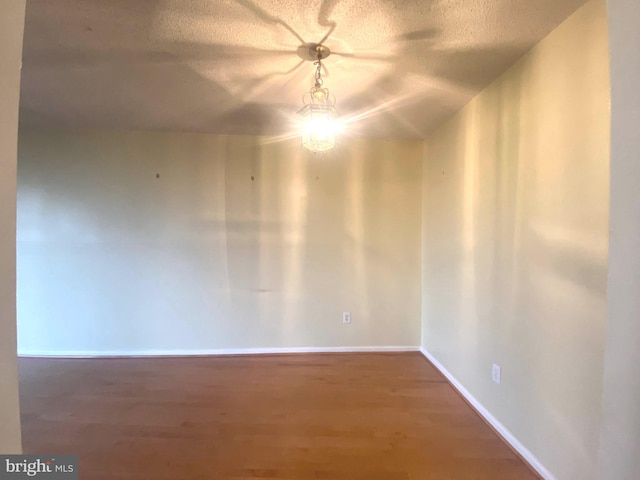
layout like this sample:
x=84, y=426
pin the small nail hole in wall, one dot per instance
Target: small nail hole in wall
x=252, y=178
x=157, y=175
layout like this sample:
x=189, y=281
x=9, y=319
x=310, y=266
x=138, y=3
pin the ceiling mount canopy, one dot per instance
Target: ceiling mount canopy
x=318, y=113
x=319, y=51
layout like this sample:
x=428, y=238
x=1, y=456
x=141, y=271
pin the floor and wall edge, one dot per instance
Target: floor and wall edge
x=213, y=352
x=500, y=429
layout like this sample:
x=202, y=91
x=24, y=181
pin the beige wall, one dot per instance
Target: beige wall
x=11, y=27
x=515, y=239
x=620, y=439
x=519, y=282
x=112, y=259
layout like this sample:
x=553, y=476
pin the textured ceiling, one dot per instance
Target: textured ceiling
x=399, y=67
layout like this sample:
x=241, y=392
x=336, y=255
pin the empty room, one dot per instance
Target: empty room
x=337, y=239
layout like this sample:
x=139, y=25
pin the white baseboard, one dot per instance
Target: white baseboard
x=501, y=429
x=208, y=352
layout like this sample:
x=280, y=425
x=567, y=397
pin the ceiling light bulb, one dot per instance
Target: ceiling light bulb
x=319, y=93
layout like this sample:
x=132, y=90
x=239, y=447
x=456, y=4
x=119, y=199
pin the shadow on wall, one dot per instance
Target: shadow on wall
x=516, y=185
x=189, y=241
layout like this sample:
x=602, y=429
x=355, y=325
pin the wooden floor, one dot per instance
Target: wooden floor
x=321, y=416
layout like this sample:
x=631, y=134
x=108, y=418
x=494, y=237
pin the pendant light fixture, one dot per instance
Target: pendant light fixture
x=318, y=113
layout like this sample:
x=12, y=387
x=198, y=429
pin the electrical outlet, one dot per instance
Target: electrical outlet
x=346, y=317
x=496, y=373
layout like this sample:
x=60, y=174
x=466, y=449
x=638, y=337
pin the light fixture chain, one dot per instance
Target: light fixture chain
x=318, y=71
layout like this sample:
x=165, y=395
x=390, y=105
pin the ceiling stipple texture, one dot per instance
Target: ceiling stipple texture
x=234, y=66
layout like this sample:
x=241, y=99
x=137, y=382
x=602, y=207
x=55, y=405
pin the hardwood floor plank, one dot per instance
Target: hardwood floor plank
x=370, y=416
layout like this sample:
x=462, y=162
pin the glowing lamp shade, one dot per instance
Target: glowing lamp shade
x=318, y=127
x=319, y=113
